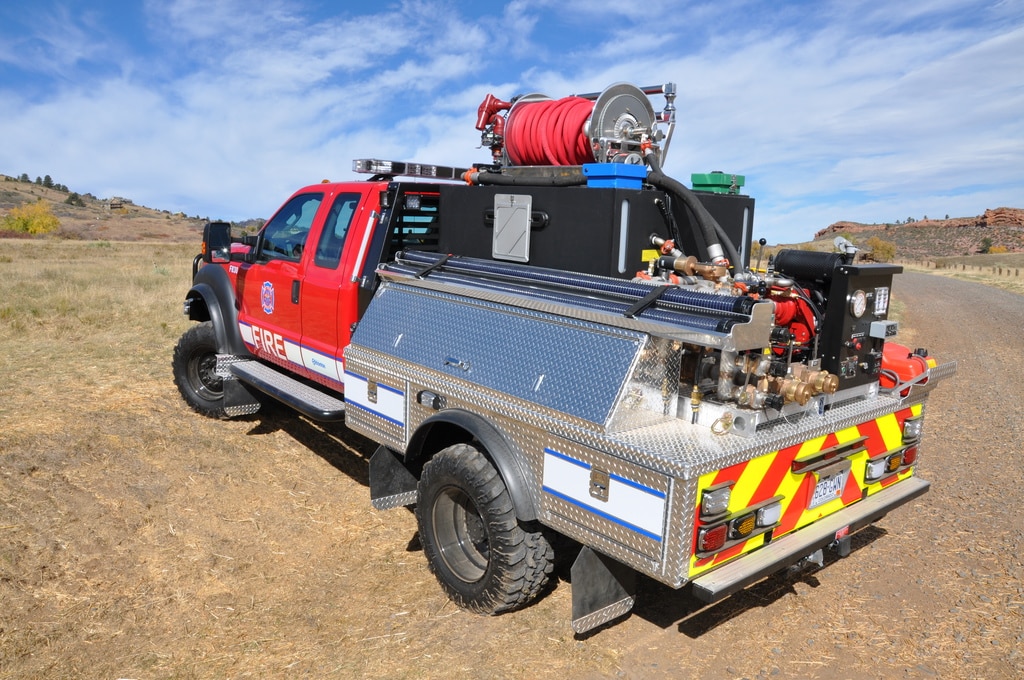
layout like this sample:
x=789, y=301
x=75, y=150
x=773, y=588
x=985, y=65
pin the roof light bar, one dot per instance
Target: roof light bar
x=374, y=166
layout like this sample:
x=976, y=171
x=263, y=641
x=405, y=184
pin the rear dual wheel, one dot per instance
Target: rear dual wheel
x=484, y=559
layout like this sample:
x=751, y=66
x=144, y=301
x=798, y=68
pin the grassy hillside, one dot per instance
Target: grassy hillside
x=111, y=219
x=118, y=219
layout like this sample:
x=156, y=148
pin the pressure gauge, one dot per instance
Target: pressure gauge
x=858, y=303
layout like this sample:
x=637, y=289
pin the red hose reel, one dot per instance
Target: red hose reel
x=605, y=127
x=549, y=133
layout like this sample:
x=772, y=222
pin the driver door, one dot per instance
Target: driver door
x=270, y=319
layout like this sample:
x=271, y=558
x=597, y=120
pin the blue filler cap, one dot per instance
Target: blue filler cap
x=614, y=175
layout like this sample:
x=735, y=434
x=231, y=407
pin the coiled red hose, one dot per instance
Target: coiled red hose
x=549, y=132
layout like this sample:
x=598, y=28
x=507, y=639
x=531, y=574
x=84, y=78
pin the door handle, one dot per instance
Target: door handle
x=295, y=292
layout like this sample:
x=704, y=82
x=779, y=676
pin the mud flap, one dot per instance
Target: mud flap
x=602, y=590
x=238, y=401
x=391, y=483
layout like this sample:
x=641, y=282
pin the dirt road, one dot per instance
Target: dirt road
x=937, y=590
x=138, y=540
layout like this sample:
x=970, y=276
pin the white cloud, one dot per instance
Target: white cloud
x=836, y=110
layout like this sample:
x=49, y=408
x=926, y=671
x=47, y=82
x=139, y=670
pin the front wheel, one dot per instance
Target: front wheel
x=483, y=558
x=195, y=370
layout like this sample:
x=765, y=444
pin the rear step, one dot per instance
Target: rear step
x=305, y=399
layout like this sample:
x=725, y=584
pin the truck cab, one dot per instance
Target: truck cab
x=290, y=295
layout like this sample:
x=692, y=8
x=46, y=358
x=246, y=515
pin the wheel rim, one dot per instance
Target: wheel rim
x=461, y=535
x=202, y=375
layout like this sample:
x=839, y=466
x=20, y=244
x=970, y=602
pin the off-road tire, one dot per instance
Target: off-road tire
x=484, y=559
x=194, y=364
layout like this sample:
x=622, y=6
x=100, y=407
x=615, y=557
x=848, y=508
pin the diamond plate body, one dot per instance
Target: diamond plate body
x=612, y=379
x=589, y=411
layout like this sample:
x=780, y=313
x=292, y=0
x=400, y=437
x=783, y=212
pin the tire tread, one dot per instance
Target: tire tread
x=526, y=557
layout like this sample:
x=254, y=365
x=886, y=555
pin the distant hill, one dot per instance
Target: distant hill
x=926, y=238
x=120, y=219
x=111, y=219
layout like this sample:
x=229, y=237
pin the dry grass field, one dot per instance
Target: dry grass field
x=139, y=540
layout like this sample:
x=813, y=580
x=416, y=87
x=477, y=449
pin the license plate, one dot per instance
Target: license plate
x=829, y=488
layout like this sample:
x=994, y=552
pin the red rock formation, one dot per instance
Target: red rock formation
x=993, y=217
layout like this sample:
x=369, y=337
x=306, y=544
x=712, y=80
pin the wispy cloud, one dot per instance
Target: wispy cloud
x=834, y=110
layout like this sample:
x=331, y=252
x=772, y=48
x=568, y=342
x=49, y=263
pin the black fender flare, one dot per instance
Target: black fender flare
x=219, y=305
x=435, y=433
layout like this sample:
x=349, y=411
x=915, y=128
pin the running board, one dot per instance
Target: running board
x=790, y=549
x=307, y=400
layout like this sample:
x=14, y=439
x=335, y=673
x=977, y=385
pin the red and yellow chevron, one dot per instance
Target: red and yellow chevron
x=762, y=478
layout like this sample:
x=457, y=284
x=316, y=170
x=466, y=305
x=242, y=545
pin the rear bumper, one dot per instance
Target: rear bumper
x=783, y=552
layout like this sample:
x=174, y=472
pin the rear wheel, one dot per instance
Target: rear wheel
x=484, y=559
x=195, y=370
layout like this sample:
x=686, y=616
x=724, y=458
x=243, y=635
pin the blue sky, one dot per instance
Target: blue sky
x=833, y=110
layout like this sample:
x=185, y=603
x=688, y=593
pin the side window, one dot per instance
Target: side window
x=328, y=250
x=284, y=236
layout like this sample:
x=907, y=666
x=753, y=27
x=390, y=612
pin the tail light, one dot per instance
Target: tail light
x=769, y=515
x=912, y=429
x=715, y=501
x=889, y=463
x=711, y=539
x=741, y=527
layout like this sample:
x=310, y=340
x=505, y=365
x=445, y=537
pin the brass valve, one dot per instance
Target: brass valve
x=821, y=382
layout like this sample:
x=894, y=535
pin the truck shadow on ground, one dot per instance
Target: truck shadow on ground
x=666, y=607
x=345, y=450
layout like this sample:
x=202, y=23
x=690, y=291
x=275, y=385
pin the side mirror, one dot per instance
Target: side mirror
x=217, y=242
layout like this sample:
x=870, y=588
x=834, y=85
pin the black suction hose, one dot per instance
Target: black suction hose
x=497, y=178
x=709, y=226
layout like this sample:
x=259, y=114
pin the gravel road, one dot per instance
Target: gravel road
x=936, y=589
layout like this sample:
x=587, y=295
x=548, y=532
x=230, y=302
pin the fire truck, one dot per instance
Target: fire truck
x=565, y=354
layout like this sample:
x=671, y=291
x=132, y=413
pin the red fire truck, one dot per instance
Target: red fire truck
x=566, y=348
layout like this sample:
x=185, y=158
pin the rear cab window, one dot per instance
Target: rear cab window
x=332, y=238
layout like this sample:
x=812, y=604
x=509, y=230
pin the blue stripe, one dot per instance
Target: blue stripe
x=627, y=482
x=394, y=390
x=380, y=386
x=352, y=404
x=603, y=515
x=559, y=454
x=638, y=485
